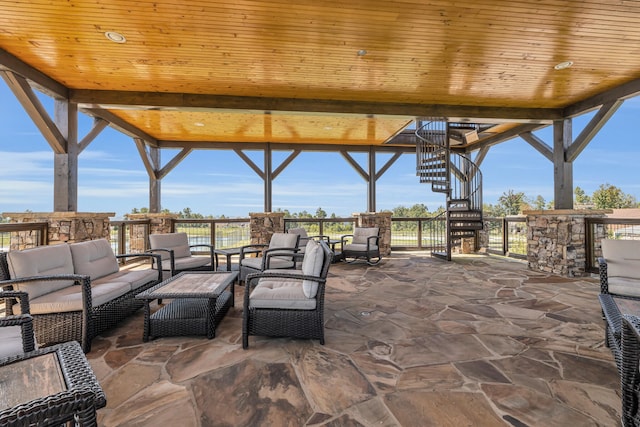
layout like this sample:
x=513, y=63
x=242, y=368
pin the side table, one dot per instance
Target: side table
x=49, y=386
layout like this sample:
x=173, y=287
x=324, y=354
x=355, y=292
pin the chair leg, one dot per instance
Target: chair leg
x=245, y=341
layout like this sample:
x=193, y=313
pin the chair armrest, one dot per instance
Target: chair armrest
x=25, y=321
x=255, y=246
x=271, y=252
x=155, y=258
x=78, y=280
x=604, y=279
x=321, y=237
x=212, y=253
x=22, y=297
x=281, y=274
x=343, y=240
x=370, y=238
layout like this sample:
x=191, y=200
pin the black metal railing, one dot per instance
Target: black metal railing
x=130, y=236
x=607, y=228
x=222, y=233
x=507, y=236
x=23, y=235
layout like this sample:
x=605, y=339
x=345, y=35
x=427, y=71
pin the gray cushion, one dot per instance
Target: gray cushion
x=280, y=293
x=360, y=234
x=179, y=242
x=94, y=258
x=11, y=339
x=283, y=240
x=70, y=298
x=135, y=278
x=299, y=231
x=311, y=266
x=359, y=247
x=623, y=266
x=190, y=262
x=41, y=261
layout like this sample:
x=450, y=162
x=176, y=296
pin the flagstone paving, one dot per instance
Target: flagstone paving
x=413, y=341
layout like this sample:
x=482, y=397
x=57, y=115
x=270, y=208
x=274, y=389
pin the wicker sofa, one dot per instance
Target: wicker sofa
x=76, y=290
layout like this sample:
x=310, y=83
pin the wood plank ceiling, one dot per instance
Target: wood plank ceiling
x=333, y=72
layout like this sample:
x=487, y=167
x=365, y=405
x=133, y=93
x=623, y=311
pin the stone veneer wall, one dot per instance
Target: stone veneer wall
x=382, y=220
x=63, y=227
x=556, y=240
x=159, y=223
x=262, y=225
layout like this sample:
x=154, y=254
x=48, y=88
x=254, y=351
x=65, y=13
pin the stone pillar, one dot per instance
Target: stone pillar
x=63, y=227
x=159, y=223
x=556, y=240
x=262, y=225
x=382, y=220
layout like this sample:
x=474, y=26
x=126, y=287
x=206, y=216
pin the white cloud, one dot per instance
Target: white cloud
x=26, y=164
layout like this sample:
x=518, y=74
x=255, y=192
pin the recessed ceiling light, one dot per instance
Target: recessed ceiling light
x=362, y=52
x=199, y=124
x=563, y=65
x=115, y=37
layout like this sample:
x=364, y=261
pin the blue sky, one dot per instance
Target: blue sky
x=112, y=177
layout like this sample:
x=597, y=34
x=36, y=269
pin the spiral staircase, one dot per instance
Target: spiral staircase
x=453, y=174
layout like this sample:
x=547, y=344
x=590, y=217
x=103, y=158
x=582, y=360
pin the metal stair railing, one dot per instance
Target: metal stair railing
x=451, y=173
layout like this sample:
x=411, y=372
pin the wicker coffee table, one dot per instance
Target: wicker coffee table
x=198, y=302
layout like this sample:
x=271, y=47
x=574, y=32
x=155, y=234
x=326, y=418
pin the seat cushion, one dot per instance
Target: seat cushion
x=623, y=266
x=135, y=278
x=41, y=261
x=11, y=339
x=94, y=258
x=179, y=242
x=358, y=247
x=189, y=262
x=361, y=234
x=311, y=266
x=70, y=298
x=280, y=293
x=624, y=286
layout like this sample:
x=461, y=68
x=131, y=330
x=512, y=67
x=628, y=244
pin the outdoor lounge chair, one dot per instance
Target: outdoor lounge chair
x=630, y=376
x=278, y=254
x=363, y=243
x=16, y=331
x=176, y=253
x=619, y=278
x=288, y=303
x=304, y=239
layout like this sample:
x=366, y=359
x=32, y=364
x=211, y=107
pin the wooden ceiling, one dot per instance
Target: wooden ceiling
x=332, y=72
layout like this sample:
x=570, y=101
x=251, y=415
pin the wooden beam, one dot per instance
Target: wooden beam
x=542, y=147
x=98, y=126
x=592, y=128
x=43, y=82
x=65, y=180
x=250, y=163
x=562, y=170
x=217, y=145
x=482, y=153
x=34, y=108
x=121, y=125
x=355, y=165
x=171, y=164
x=502, y=137
x=146, y=158
x=387, y=165
x=621, y=92
x=113, y=100
x=155, y=183
x=286, y=163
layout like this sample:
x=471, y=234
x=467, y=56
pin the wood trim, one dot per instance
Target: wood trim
x=44, y=83
x=592, y=128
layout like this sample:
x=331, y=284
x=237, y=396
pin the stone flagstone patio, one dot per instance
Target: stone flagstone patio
x=414, y=341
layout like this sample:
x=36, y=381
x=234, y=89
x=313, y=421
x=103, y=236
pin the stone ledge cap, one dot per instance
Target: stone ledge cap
x=578, y=212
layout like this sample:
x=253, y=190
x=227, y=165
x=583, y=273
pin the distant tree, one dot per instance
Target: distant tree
x=609, y=196
x=513, y=203
x=320, y=213
x=141, y=210
x=539, y=203
x=419, y=210
x=581, y=197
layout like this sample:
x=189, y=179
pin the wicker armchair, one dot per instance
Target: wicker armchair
x=16, y=331
x=176, y=253
x=304, y=239
x=288, y=303
x=619, y=269
x=630, y=381
x=363, y=243
x=278, y=254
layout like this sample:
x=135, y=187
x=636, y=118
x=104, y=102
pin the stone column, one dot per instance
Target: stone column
x=382, y=220
x=556, y=240
x=63, y=227
x=262, y=225
x=159, y=223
